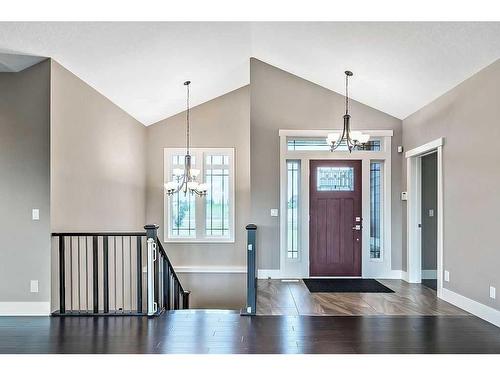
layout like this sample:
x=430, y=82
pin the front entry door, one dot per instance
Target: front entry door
x=335, y=218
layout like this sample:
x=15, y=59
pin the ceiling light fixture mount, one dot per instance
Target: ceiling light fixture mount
x=185, y=180
x=352, y=139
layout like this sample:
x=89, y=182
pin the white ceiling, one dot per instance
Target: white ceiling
x=399, y=67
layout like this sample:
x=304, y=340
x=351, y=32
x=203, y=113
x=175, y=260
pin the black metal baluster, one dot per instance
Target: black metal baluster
x=130, y=268
x=71, y=273
x=86, y=274
x=62, y=276
x=79, y=293
x=166, y=285
x=123, y=277
x=105, y=273
x=139, y=274
x=185, y=299
x=95, y=269
x=116, y=279
x=176, y=294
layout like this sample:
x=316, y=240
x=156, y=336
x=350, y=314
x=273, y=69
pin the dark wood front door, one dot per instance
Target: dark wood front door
x=335, y=213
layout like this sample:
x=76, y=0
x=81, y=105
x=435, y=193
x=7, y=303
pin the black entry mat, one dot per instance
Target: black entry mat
x=346, y=286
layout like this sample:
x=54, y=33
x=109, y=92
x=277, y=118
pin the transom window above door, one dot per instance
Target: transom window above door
x=201, y=220
x=320, y=144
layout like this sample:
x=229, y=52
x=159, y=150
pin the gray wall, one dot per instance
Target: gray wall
x=97, y=160
x=429, y=202
x=221, y=122
x=280, y=100
x=24, y=183
x=467, y=116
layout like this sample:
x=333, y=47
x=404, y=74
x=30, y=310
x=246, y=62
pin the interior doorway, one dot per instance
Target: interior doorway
x=420, y=214
x=335, y=225
x=429, y=220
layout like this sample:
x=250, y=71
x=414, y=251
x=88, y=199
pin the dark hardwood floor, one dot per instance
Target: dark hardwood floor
x=202, y=331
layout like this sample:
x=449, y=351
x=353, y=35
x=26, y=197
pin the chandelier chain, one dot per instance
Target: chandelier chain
x=347, y=94
x=187, y=117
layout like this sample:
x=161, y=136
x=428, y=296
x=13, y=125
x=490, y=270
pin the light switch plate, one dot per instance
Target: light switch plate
x=34, y=286
x=446, y=276
x=35, y=214
x=274, y=212
x=404, y=196
x=431, y=212
x=493, y=292
x=400, y=149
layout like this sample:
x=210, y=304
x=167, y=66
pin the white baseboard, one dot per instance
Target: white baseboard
x=276, y=274
x=429, y=274
x=204, y=269
x=393, y=274
x=404, y=276
x=476, y=308
x=265, y=274
x=24, y=308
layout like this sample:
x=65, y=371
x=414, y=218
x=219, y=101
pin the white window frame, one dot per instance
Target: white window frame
x=200, y=203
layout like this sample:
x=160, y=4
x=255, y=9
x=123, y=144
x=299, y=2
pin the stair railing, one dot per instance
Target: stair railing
x=115, y=273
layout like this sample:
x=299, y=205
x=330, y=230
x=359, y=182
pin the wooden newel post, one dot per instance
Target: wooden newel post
x=251, y=308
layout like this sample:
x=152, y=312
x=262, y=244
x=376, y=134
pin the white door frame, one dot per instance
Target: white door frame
x=299, y=268
x=414, y=211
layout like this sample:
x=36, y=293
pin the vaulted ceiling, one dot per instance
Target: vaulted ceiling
x=399, y=67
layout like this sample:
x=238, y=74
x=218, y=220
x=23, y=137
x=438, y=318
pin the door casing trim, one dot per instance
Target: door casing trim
x=369, y=268
x=414, y=212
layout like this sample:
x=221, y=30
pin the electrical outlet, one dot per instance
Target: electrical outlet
x=34, y=286
x=493, y=292
x=446, y=276
x=35, y=214
x=274, y=212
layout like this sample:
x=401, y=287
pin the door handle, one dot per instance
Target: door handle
x=356, y=227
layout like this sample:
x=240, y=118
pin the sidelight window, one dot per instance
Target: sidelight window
x=376, y=170
x=293, y=193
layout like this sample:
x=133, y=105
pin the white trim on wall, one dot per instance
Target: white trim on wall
x=324, y=133
x=207, y=269
x=25, y=308
x=266, y=274
x=482, y=311
x=413, y=176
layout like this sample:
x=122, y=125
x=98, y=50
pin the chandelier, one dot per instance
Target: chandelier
x=352, y=139
x=185, y=179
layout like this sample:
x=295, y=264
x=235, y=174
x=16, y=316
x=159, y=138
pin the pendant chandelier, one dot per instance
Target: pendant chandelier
x=352, y=139
x=185, y=179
